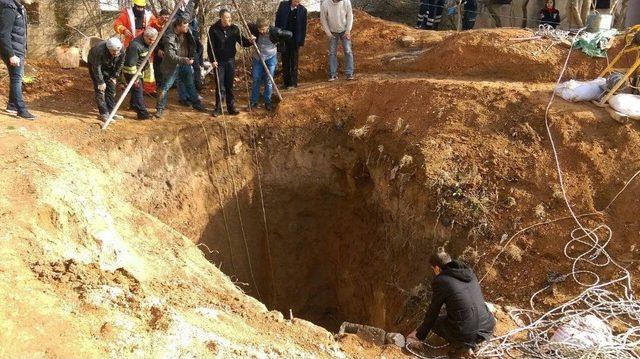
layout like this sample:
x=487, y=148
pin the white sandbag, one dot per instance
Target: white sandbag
x=626, y=104
x=583, y=332
x=575, y=91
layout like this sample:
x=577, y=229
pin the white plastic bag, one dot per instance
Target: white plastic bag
x=583, y=332
x=575, y=91
x=626, y=104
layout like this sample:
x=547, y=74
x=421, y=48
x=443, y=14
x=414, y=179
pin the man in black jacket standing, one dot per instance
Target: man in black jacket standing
x=468, y=321
x=223, y=37
x=13, y=50
x=105, y=61
x=291, y=16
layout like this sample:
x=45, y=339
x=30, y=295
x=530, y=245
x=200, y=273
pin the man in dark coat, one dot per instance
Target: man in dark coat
x=467, y=321
x=136, y=53
x=223, y=37
x=13, y=50
x=179, y=53
x=291, y=16
x=105, y=62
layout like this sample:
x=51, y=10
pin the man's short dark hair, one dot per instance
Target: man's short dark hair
x=440, y=258
x=222, y=12
x=181, y=20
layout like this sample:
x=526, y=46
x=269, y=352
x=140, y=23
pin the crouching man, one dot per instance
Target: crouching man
x=467, y=321
x=105, y=63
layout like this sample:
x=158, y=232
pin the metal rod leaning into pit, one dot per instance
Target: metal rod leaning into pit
x=153, y=46
x=255, y=46
x=215, y=60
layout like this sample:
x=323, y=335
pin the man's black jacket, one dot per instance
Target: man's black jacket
x=13, y=29
x=282, y=20
x=275, y=34
x=103, y=63
x=457, y=287
x=222, y=41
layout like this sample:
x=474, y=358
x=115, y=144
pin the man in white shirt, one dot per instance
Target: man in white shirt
x=336, y=17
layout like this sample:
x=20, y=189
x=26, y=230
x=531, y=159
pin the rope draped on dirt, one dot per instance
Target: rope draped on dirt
x=606, y=300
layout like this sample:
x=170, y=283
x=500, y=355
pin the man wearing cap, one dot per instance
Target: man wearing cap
x=13, y=50
x=105, y=61
x=131, y=23
x=136, y=53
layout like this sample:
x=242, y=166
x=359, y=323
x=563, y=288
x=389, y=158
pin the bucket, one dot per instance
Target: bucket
x=598, y=22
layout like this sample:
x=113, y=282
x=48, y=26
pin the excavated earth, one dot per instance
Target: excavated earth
x=228, y=237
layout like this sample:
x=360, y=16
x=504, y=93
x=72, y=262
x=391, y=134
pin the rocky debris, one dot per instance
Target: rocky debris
x=408, y=41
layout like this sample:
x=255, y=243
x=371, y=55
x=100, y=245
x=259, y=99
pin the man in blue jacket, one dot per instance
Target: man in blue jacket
x=13, y=50
x=291, y=16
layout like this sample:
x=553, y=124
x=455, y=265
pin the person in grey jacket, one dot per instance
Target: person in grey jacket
x=13, y=50
x=105, y=61
x=179, y=53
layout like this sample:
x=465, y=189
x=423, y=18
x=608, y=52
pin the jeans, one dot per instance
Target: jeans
x=333, y=58
x=260, y=77
x=185, y=74
x=105, y=100
x=225, y=74
x=16, y=101
x=290, y=63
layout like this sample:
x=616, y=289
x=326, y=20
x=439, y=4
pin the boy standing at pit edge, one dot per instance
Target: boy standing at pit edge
x=336, y=17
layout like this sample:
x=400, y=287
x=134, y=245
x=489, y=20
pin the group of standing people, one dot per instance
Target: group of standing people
x=178, y=58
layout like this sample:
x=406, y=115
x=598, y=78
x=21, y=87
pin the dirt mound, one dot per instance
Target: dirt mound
x=373, y=39
x=496, y=54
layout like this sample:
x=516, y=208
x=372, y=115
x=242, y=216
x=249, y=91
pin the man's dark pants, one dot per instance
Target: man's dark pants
x=290, y=63
x=226, y=72
x=105, y=100
x=16, y=101
x=137, y=99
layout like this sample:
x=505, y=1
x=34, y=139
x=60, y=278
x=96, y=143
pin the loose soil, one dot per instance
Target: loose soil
x=142, y=240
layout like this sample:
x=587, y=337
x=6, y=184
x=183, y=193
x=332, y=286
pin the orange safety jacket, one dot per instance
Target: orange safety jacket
x=127, y=20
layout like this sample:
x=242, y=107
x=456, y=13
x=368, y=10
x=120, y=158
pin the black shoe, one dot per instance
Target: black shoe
x=26, y=115
x=268, y=106
x=144, y=116
x=233, y=111
x=216, y=112
x=11, y=109
x=199, y=108
x=158, y=114
x=185, y=103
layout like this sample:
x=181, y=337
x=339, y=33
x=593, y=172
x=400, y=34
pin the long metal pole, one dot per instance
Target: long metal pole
x=217, y=67
x=255, y=46
x=143, y=64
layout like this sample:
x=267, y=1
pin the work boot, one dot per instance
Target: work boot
x=268, y=106
x=26, y=115
x=184, y=103
x=232, y=111
x=144, y=116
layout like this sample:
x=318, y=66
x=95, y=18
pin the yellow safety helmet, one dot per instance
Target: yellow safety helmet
x=140, y=3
